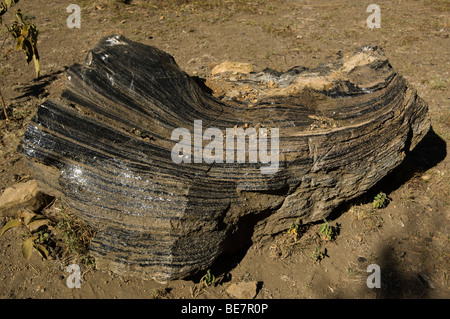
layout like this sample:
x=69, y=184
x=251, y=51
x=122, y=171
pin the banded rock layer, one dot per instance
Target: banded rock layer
x=106, y=147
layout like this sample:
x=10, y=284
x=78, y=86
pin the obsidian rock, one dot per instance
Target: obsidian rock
x=106, y=147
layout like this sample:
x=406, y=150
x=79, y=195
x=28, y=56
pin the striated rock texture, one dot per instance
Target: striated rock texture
x=106, y=148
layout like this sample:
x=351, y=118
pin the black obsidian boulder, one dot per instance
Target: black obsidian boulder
x=164, y=206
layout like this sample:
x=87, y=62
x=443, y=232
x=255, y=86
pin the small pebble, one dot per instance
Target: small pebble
x=427, y=281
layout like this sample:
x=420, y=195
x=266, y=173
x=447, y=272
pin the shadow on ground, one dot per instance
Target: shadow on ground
x=397, y=283
x=38, y=88
x=430, y=151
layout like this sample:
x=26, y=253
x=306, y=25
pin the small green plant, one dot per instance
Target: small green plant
x=326, y=231
x=34, y=236
x=294, y=228
x=207, y=280
x=379, y=201
x=25, y=35
x=76, y=236
x=317, y=255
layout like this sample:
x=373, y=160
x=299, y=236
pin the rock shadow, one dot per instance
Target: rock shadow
x=430, y=151
x=397, y=283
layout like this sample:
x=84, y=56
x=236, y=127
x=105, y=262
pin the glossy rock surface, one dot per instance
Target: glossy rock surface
x=106, y=148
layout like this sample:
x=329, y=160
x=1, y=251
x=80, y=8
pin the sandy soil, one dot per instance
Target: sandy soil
x=408, y=239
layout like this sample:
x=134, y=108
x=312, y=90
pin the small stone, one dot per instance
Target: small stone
x=361, y=259
x=243, y=290
x=426, y=281
x=234, y=67
x=20, y=196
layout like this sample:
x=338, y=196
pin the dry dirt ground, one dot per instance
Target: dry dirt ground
x=408, y=239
